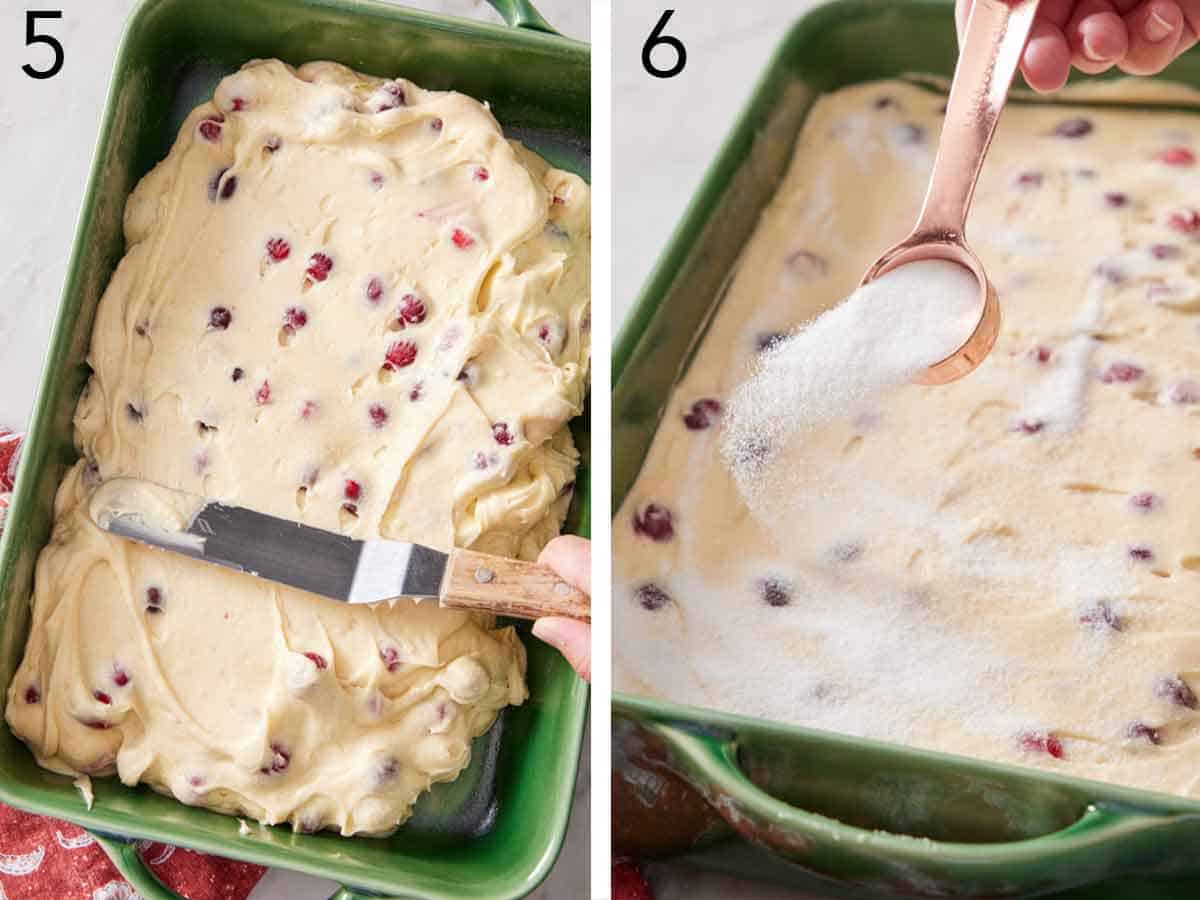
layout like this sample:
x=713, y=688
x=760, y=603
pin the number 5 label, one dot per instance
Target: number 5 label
x=32, y=37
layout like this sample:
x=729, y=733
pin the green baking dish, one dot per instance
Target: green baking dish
x=870, y=819
x=497, y=831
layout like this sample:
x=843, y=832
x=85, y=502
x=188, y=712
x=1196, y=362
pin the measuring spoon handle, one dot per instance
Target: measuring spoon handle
x=991, y=49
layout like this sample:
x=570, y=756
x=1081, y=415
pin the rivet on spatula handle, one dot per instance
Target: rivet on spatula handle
x=508, y=587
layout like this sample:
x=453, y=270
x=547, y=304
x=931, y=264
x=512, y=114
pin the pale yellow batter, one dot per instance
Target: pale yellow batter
x=354, y=304
x=1006, y=567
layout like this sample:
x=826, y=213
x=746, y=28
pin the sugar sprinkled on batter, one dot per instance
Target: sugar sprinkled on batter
x=832, y=369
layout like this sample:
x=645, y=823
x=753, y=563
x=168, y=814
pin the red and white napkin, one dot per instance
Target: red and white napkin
x=45, y=859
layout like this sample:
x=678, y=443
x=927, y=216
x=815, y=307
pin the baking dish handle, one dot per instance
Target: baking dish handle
x=124, y=855
x=522, y=14
x=1106, y=840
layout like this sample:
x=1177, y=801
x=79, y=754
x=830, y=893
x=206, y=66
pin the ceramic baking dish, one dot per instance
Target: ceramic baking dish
x=871, y=818
x=496, y=831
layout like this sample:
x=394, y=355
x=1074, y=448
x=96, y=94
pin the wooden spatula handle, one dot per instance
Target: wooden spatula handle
x=507, y=587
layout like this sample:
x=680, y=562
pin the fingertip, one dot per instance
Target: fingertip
x=1098, y=41
x=571, y=557
x=569, y=637
x=1156, y=34
x=1046, y=62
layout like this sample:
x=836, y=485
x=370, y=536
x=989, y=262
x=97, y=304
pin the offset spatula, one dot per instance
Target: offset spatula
x=339, y=567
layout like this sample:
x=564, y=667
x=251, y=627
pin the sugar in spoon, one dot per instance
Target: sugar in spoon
x=991, y=49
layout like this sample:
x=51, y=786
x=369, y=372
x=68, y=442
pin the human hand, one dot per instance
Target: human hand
x=571, y=558
x=1140, y=37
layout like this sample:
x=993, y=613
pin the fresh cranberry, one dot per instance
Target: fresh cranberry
x=651, y=596
x=1141, y=553
x=391, y=658
x=1122, y=373
x=1185, y=393
x=378, y=414
x=352, y=490
x=1145, y=501
x=239, y=104
x=308, y=410
x=317, y=659
x=1101, y=616
x=1041, y=354
x=412, y=309
x=375, y=289
x=774, y=591
x=319, y=266
x=376, y=179
x=229, y=187
x=400, y=355
x=214, y=184
x=1030, y=179
x=502, y=435
x=1041, y=742
x=1116, y=199
x=154, y=598
x=847, y=551
x=278, y=249
x=628, y=882
x=281, y=758
x=120, y=676
x=263, y=395
x=461, y=239
x=210, y=130
x=195, y=781
x=1177, y=691
x=806, y=264
x=387, y=769
x=32, y=694
x=769, y=341
x=102, y=697
x=1177, y=156
x=294, y=318
x=702, y=414
x=436, y=124
x=414, y=393
x=654, y=522
x=1142, y=731
x=237, y=374
x=1185, y=221
x=1074, y=128
x=480, y=174
x=220, y=318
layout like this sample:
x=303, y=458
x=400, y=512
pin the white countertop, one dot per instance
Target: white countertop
x=48, y=130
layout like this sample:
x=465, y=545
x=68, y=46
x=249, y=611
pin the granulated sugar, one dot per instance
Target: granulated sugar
x=837, y=366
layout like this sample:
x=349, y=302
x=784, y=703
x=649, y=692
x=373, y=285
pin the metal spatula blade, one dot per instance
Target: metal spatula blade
x=353, y=571
x=300, y=556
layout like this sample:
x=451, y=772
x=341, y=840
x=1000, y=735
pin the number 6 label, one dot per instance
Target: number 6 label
x=656, y=39
x=32, y=37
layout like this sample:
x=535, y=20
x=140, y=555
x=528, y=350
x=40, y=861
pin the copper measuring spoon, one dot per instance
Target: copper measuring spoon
x=995, y=38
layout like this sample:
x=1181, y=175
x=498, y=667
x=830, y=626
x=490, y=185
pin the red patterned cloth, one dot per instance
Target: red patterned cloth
x=45, y=859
